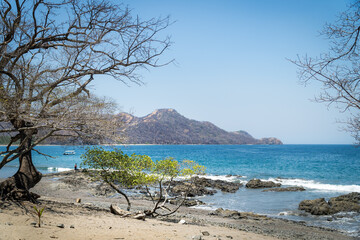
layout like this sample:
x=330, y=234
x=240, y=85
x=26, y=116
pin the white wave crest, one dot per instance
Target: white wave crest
x=227, y=178
x=311, y=184
x=204, y=207
x=283, y=213
x=58, y=169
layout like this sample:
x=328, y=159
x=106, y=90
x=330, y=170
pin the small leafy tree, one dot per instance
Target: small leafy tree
x=139, y=170
x=116, y=167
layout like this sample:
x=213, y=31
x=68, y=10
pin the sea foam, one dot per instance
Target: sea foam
x=311, y=184
x=57, y=169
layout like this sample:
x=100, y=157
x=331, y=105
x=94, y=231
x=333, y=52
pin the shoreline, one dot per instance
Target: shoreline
x=144, y=144
x=59, y=192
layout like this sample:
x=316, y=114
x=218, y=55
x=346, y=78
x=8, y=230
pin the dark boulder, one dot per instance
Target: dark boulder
x=224, y=186
x=315, y=207
x=351, y=197
x=187, y=202
x=199, y=186
x=344, y=203
x=191, y=190
x=287, y=189
x=257, y=183
x=226, y=213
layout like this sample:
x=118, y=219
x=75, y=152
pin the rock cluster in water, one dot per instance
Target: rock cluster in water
x=226, y=213
x=286, y=189
x=257, y=183
x=199, y=186
x=344, y=203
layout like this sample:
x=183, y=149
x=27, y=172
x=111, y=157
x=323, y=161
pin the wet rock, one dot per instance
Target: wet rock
x=224, y=186
x=237, y=215
x=233, y=175
x=315, y=207
x=199, y=186
x=226, y=213
x=287, y=189
x=187, y=202
x=344, y=203
x=257, y=183
x=344, y=206
x=192, y=190
x=351, y=197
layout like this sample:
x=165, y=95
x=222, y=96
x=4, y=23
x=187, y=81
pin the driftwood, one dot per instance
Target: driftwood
x=118, y=211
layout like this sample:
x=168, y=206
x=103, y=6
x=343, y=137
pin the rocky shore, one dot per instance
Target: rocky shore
x=71, y=200
x=344, y=203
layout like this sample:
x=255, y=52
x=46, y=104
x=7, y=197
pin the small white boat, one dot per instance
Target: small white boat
x=69, y=152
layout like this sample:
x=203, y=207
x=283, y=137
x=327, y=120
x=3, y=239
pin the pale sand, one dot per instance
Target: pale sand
x=100, y=225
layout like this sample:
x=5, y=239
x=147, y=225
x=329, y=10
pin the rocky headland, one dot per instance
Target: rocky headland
x=167, y=126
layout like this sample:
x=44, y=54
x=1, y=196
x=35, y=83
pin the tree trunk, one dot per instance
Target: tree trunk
x=122, y=193
x=17, y=187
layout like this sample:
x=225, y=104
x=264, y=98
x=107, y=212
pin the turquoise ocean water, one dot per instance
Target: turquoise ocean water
x=324, y=170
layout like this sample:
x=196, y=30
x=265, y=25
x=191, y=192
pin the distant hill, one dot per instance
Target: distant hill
x=167, y=126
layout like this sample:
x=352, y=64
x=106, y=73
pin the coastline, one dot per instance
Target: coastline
x=92, y=219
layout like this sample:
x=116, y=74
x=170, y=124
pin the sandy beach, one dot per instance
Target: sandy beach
x=63, y=218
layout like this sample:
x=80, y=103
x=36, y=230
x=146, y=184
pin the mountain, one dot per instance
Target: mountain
x=167, y=126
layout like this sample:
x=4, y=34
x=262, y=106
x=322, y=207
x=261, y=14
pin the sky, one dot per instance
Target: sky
x=232, y=67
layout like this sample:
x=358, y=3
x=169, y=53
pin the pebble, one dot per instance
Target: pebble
x=197, y=237
x=205, y=233
x=78, y=200
x=9, y=223
x=182, y=221
x=72, y=226
x=33, y=223
x=61, y=225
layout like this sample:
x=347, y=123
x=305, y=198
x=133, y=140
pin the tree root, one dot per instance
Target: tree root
x=9, y=191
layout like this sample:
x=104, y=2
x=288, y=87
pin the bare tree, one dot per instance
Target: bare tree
x=51, y=50
x=338, y=70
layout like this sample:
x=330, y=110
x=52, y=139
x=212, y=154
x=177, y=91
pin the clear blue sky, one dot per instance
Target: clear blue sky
x=232, y=69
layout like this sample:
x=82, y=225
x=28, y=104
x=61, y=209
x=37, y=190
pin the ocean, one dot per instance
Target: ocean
x=323, y=170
